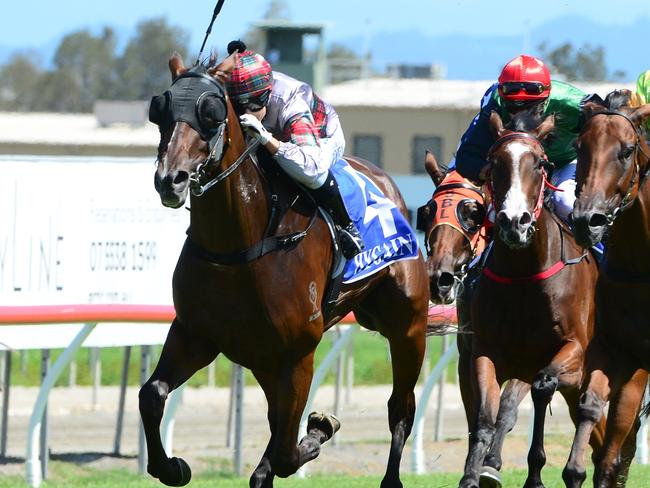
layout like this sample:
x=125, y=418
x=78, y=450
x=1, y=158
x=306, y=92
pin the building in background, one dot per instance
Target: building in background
x=297, y=50
x=391, y=122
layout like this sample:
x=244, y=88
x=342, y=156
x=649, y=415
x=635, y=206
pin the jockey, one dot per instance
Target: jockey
x=300, y=130
x=642, y=94
x=524, y=82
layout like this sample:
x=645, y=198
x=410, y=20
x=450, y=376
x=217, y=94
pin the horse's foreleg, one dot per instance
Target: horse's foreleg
x=292, y=391
x=565, y=372
x=589, y=418
x=407, y=352
x=621, y=418
x=482, y=432
x=512, y=395
x=263, y=475
x=180, y=358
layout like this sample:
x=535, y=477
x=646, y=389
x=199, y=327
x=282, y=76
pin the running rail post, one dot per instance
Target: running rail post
x=642, y=435
x=319, y=375
x=169, y=418
x=32, y=462
x=417, y=453
x=5, y=405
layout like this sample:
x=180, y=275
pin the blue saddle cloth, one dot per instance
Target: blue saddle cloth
x=387, y=235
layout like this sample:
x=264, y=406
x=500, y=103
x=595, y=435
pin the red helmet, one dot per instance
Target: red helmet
x=524, y=79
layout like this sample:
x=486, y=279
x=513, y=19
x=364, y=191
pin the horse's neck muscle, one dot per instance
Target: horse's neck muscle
x=628, y=246
x=232, y=215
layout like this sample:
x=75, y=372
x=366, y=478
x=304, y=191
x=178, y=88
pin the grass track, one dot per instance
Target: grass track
x=66, y=475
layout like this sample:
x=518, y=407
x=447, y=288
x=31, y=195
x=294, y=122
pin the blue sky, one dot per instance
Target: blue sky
x=34, y=23
x=40, y=24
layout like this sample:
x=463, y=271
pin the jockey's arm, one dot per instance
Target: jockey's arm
x=475, y=143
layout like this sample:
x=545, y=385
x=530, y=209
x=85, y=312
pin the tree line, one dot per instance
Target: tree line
x=87, y=67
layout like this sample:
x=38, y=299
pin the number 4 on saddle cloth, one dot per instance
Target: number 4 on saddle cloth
x=387, y=235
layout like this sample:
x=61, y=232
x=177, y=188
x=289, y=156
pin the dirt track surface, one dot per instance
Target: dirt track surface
x=80, y=433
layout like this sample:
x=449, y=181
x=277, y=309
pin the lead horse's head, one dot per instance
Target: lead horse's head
x=517, y=174
x=613, y=159
x=192, y=116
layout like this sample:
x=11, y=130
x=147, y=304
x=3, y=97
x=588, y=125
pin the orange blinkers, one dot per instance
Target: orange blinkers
x=450, y=201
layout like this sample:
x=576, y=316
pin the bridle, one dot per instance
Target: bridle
x=637, y=177
x=457, y=191
x=182, y=102
x=539, y=204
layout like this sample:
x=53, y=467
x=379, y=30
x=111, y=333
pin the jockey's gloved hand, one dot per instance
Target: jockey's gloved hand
x=254, y=128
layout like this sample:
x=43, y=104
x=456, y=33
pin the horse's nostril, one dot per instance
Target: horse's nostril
x=598, y=220
x=502, y=219
x=181, y=177
x=446, y=280
x=525, y=219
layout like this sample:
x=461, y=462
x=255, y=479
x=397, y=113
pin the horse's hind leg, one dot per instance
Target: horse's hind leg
x=407, y=352
x=181, y=356
x=622, y=417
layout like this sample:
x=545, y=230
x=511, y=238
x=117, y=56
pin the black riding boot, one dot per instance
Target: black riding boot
x=329, y=197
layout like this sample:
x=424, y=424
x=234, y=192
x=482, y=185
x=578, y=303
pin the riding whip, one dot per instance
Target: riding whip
x=217, y=9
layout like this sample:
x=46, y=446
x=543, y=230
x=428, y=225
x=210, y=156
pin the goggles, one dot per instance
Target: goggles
x=529, y=87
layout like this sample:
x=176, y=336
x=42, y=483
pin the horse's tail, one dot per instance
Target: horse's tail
x=645, y=409
x=441, y=328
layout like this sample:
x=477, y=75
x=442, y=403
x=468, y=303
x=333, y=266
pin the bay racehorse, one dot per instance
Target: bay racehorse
x=613, y=200
x=532, y=311
x=252, y=280
x=455, y=227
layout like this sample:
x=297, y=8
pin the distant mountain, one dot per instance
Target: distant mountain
x=481, y=57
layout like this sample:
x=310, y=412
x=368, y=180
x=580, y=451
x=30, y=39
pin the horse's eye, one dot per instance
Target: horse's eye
x=159, y=109
x=211, y=112
x=471, y=215
x=627, y=152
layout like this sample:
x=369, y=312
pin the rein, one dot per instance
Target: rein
x=542, y=275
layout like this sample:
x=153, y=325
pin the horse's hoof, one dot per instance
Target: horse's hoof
x=176, y=473
x=489, y=478
x=326, y=423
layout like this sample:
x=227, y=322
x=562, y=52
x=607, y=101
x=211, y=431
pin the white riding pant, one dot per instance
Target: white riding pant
x=565, y=179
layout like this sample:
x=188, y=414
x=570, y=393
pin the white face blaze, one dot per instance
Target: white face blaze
x=514, y=204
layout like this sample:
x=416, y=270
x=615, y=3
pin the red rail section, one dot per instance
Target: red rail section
x=91, y=313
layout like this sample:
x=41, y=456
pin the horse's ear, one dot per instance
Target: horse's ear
x=222, y=71
x=431, y=165
x=545, y=128
x=176, y=65
x=496, y=125
x=641, y=114
x=589, y=109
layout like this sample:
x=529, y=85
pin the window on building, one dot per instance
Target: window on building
x=369, y=147
x=420, y=145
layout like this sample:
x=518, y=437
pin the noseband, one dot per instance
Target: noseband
x=627, y=200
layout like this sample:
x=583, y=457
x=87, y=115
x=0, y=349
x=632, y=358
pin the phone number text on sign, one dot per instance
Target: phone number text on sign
x=122, y=255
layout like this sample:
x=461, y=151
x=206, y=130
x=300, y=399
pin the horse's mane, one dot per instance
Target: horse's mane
x=526, y=120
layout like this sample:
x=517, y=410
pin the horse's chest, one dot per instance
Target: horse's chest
x=518, y=318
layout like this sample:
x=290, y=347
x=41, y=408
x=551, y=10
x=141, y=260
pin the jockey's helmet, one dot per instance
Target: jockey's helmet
x=250, y=82
x=524, y=80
